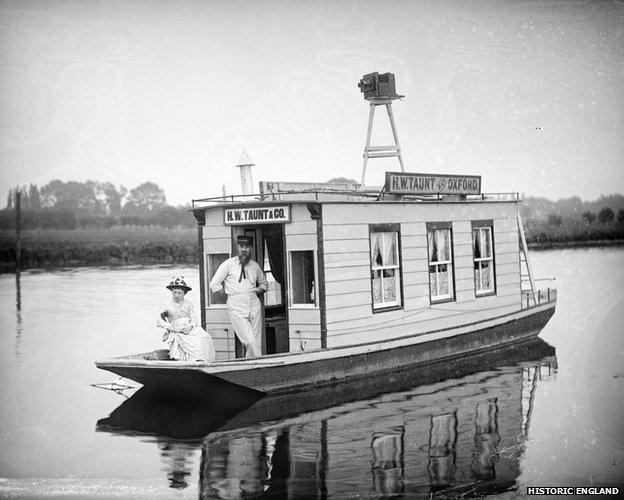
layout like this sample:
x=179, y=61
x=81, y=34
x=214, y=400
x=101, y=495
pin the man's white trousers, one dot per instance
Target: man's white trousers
x=245, y=315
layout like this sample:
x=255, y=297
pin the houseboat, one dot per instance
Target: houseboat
x=362, y=281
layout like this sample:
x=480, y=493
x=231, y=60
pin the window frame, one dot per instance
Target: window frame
x=386, y=228
x=484, y=224
x=440, y=299
x=291, y=304
x=209, y=276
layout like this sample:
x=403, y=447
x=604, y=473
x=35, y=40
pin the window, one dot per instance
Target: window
x=214, y=261
x=302, y=291
x=439, y=243
x=385, y=266
x=483, y=254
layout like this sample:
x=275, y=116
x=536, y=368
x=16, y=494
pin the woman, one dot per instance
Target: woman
x=187, y=341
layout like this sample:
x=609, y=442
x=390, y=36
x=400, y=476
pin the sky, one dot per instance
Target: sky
x=529, y=95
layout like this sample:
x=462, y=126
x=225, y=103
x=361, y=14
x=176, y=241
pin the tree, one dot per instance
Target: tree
x=107, y=196
x=168, y=216
x=539, y=207
x=341, y=180
x=73, y=196
x=589, y=217
x=34, y=200
x=571, y=207
x=620, y=217
x=147, y=197
x=554, y=220
x=114, y=198
x=606, y=216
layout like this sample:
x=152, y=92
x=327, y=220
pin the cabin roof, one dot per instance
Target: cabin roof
x=350, y=196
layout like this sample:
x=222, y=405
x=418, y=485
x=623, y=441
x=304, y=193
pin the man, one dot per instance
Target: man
x=242, y=280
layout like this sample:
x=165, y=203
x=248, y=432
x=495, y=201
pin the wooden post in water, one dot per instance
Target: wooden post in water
x=18, y=230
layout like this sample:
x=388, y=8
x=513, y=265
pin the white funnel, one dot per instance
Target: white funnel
x=245, y=164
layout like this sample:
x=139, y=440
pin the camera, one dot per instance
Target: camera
x=376, y=86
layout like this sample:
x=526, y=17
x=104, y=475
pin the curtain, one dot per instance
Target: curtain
x=476, y=243
x=275, y=247
x=389, y=249
x=376, y=259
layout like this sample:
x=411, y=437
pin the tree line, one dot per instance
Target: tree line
x=92, y=204
x=605, y=210
x=571, y=219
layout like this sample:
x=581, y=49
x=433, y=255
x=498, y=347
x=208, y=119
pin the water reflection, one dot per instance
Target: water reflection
x=446, y=430
x=177, y=459
x=442, y=450
x=486, y=440
x=18, y=313
x=239, y=465
x=388, y=465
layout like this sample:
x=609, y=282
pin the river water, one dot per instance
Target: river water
x=547, y=414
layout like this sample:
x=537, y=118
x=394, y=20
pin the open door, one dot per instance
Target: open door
x=275, y=309
x=269, y=252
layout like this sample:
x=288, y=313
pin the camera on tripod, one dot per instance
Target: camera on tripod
x=376, y=86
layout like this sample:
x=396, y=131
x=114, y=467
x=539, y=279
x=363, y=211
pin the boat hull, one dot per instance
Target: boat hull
x=153, y=413
x=275, y=374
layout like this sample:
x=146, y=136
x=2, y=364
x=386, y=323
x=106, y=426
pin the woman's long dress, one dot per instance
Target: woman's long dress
x=194, y=346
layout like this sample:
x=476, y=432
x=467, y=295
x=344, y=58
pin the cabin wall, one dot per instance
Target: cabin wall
x=350, y=317
x=304, y=322
x=217, y=239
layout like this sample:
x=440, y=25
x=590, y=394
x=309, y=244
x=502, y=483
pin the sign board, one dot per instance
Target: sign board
x=256, y=215
x=408, y=183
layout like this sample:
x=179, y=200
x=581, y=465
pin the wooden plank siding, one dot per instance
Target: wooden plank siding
x=217, y=239
x=350, y=317
x=304, y=324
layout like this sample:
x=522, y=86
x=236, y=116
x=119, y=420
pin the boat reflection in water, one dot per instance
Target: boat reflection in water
x=448, y=429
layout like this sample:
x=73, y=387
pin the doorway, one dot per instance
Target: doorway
x=269, y=252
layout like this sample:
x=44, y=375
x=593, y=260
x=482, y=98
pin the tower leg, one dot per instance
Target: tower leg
x=395, y=135
x=371, y=116
x=381, y=151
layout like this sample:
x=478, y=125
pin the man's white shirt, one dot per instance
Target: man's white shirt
x=229, y=272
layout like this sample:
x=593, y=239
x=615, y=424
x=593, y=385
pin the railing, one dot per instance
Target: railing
x=540, y=297
x=495, y=197
x=285, y=196
x=353, y=195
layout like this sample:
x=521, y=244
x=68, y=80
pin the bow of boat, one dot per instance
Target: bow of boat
x=154, y=369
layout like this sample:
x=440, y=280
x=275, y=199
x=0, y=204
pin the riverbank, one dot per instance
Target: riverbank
x=125, y=245
x=128, y=245
x=558, y=245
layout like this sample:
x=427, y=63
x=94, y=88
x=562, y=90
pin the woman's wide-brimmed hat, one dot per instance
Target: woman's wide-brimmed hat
x=178, y=282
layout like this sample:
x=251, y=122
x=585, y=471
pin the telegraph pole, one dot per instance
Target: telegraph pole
x=18, y=230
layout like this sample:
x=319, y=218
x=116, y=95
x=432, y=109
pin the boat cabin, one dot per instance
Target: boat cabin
x=349, y=266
